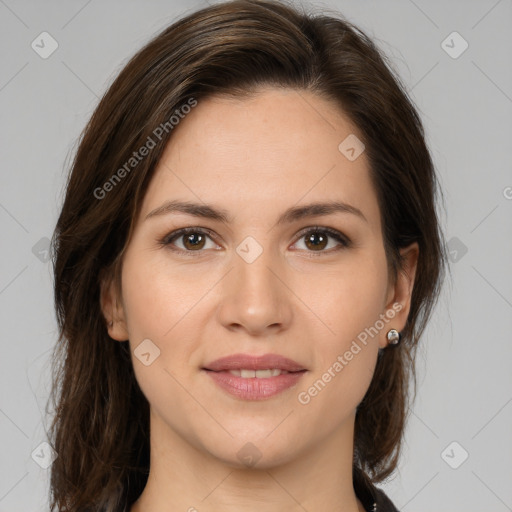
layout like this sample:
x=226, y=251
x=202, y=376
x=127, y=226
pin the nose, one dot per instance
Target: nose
x=255, y=296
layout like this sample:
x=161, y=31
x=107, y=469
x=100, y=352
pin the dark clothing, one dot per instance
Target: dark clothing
x=372, y=498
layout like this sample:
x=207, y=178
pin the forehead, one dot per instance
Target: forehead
x=279, y=147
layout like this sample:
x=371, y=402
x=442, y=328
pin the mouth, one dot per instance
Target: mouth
x=248, y=363
x=250, y=377
x=245, y=373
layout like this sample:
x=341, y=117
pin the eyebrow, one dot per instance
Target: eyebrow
x=292, y=214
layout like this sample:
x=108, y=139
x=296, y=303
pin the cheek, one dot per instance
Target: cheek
x=351, y=298
x=350, y=306
x=347, y=352
x=157, y=298
x=157, y=306
x=165, y=304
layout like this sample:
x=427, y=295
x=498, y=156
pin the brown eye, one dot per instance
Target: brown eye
x=193, y=241
x=317, y=239
x=188, y=240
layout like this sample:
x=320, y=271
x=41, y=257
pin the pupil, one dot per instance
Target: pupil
x=321, y=243
x=190, y=237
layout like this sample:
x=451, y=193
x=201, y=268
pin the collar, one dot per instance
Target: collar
x=372, y=498
x=365, y=491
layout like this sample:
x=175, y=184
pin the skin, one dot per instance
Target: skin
x=255, y=158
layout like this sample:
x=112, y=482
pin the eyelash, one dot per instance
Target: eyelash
x=333, y=233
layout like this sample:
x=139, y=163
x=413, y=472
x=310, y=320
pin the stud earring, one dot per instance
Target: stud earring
x=394, y=337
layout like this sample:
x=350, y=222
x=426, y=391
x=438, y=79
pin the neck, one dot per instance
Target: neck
x=185, y=478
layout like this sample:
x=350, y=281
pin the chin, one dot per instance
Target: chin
x=257, y=454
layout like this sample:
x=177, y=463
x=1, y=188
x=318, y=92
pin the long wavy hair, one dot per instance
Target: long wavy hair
x=100, y=427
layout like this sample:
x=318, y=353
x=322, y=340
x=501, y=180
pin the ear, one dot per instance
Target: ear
x=400, y=292
x=112, y=309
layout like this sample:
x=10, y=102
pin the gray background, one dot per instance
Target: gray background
x=465, y=382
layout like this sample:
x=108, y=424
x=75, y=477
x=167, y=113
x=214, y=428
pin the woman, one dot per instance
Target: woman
x=246, y=258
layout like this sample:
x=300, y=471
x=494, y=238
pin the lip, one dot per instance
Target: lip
x=250, y=362
x=254, y=388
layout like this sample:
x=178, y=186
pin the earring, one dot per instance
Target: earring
x=394, y=337
x=111, y=323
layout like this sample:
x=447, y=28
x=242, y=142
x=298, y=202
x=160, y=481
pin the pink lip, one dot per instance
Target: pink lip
x=248, y=362
x=254, y=388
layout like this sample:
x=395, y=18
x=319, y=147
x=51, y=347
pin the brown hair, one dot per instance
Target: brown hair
x=101, y=424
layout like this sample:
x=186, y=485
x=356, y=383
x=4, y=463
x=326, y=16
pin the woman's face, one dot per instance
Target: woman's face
x=260, y=281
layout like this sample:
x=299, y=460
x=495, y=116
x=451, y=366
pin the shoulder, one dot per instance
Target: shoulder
x=372, y=498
